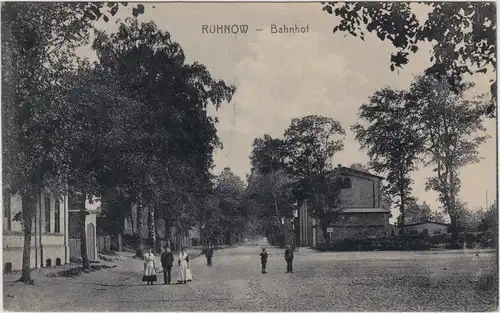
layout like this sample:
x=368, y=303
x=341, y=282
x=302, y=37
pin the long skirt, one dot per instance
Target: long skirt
x=149, y=272
x=183, y=271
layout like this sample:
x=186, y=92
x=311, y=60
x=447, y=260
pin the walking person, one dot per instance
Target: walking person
x=263, y=260
x=167, y=261
x=149, y=275
x=209, y=254
x=289, y=259
x=183, y=267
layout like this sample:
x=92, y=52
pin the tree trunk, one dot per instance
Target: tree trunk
x=453, y=204
x=83, y=233
x=402, y=212
x=28, y=206
x=152, y=228
x=139, y=223
x=276, y=207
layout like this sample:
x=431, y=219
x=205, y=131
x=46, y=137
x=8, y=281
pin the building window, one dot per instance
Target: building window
x=346, y=183
x=57, y=217
x=47, y=214
x=7, y=211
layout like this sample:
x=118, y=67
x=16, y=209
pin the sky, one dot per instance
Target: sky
x=284, y=76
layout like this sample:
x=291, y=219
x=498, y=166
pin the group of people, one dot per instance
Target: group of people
x=288, y=259
x=167, y=263
x=185, y=275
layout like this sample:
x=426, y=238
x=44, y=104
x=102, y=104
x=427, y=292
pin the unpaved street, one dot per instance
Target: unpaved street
x=375, y=281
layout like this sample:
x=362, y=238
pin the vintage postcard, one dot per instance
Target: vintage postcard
x=249, y=156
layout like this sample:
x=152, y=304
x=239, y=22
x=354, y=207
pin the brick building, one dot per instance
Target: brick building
x=362, y=211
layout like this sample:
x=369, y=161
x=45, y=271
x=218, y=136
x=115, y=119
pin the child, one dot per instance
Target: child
x=263, y=260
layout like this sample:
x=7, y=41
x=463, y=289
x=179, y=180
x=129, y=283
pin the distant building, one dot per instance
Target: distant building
x=49, y=240
x=362, y=212
x=90, y=230
x=427, y=229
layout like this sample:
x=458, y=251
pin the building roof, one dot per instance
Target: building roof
x=364, y=210
x=428, y=222
x=348, y=170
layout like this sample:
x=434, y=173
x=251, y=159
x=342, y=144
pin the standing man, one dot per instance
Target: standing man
x=289, y=259
x=209, y=255
x=263, y=260
x=167, y=261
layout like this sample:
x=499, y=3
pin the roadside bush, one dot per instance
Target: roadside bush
x=382, y=243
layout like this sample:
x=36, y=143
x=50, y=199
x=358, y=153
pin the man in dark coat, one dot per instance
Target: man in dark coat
x=289, y=259
x=209, y=254
x=263, y=260
x=167, y=261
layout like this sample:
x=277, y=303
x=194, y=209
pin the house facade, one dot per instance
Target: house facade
x=49, y=241
x=90, y=230
x=361, y=210
x=426, y=229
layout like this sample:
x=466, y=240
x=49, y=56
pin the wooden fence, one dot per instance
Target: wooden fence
x=74, y=250
x=103, y=243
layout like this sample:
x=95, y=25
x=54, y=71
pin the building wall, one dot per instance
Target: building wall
x=363, y=219
x=350, y=232
x=47, y=245
x=433, y=229
x=364, y=192
x=303, y=224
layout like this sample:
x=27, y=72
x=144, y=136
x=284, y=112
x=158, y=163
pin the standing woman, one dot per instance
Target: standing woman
x=183, y=267
x=149, y=267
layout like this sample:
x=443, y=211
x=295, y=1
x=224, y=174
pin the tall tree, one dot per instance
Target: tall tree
x=453, y=130
x=35, y=45
x=393, y=141
x=229, y=189
x=463, y=34
x=173, y=145
x=268, y=163
x=310, y=143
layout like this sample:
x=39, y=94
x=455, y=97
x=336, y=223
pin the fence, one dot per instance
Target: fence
x=103, y=243
x=75, y=253
x=74, y=250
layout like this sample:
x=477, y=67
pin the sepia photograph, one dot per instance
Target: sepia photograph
x=249, y=156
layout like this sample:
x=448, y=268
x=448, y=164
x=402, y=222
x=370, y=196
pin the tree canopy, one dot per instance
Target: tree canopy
x=463, y=34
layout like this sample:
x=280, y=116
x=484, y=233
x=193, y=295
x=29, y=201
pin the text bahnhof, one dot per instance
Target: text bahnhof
x=245, y=28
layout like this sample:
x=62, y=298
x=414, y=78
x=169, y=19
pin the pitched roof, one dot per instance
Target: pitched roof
x=349, y=170
x=427, y=222
x=364, y=210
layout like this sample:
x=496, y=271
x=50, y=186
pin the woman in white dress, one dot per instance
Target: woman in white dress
x=149, y=275
x=184, y=271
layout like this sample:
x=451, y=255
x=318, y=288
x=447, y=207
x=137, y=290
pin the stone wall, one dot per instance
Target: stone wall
x=341, y=233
